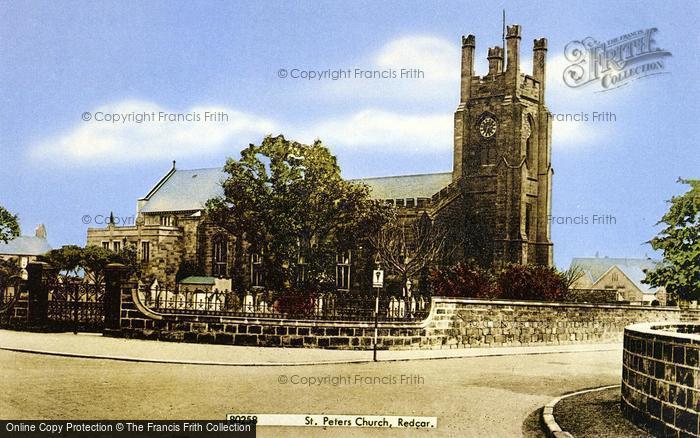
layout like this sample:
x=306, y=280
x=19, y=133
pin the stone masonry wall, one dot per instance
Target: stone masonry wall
x=661, y=378
x=453, y=323
x=478, y=323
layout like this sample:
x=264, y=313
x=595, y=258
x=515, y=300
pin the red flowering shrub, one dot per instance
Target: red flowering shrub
x=526, y=282
x=296, y=303
x=463, y=280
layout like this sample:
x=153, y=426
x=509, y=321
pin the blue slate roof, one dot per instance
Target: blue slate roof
x=25, y=246
x=186, y=190
x=633, y=268
x=407, y=186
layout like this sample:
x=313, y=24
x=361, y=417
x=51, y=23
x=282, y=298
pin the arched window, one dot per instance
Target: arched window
x=220, y=256
x=529, y=141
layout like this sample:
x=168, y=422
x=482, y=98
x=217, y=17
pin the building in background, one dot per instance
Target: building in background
x=25, y=249
x=621, y=277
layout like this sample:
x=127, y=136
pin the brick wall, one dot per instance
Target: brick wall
x=661, y=378
x=453, y=323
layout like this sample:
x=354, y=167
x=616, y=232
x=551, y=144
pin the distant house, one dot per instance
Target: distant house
x=26, y=249
x=622, y=275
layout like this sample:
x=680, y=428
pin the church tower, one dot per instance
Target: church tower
x=502, y=156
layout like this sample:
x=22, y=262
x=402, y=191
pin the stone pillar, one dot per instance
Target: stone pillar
x=468, y=44
x=460, y=129
x=495, y=58
x=513, y=66
x=38, y=299
x=114, y=273
x=539, y=64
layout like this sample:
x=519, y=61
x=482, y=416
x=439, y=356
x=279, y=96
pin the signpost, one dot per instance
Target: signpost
x=378, y=284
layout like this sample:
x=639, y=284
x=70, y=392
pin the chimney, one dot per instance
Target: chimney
x=40, y=231
x=495, y=60
x=539, y=64
x=513, y=47
x=468, y=44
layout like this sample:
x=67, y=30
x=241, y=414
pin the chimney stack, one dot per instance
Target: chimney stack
x=40, y=231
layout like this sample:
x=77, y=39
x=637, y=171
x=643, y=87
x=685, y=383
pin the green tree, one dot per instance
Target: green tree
x=92, y=260
x=288, y=201
x=9, y=225
x=679, y=241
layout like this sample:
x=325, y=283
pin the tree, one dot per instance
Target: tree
x=9, y=225
x=407, y=247
x=9, y=273
x=571, y=275
x=679, y=240
x=288, y=202
x=93, y=260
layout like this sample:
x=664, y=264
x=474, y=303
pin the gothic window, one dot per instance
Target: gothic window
x=145, y=251
x=527, y=127
x=301, y=269
x=220, y=257
x=256, y=277
x=342, y=270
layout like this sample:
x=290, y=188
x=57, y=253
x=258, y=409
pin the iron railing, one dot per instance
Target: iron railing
x=329, y=306
x=76, y=304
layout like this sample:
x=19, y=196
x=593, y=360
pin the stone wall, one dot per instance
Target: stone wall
x=452, y=323
x=475, y=323
x=661, y=378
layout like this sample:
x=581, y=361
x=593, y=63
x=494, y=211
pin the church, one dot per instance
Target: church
x=499, y=189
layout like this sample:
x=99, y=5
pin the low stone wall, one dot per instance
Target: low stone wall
x=690, y=315
x=452, y=323
x=661, y=378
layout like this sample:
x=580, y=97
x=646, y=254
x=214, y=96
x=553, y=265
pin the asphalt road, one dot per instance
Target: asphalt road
x=481, y=396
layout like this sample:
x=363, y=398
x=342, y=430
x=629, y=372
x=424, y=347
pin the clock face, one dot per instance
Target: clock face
x=487, y=127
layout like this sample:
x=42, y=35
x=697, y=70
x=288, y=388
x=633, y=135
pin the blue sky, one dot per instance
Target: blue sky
x=58, y=60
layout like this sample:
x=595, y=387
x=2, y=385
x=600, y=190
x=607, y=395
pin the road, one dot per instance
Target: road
x=480, y=396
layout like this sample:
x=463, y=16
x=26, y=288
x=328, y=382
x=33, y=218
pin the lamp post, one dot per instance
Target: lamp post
x=377, y=282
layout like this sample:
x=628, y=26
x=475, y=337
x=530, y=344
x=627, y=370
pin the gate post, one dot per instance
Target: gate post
x=38, y=299
x=113, y=295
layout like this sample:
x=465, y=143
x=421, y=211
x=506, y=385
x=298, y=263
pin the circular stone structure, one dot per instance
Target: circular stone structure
x=661, y=378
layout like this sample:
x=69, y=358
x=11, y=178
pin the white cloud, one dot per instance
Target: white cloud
x=102, y=142
x=368, y=129
x=95, y=141
x=437, y=58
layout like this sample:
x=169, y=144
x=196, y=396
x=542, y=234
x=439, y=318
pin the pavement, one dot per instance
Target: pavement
x=96, y=346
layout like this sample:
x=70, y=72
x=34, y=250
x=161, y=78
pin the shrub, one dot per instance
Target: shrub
x=295, y=303
x=526, y=282
x=463, y=280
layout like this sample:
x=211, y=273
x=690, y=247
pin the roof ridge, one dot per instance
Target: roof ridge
x=200, y=168
x=403, y=176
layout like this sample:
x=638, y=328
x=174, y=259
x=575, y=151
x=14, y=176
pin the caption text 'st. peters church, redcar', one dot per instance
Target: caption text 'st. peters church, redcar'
x=499, y=187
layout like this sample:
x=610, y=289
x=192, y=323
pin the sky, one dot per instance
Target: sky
x=61, y=60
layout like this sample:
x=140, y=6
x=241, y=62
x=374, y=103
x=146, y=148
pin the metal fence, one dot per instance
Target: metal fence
x=329, y=306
